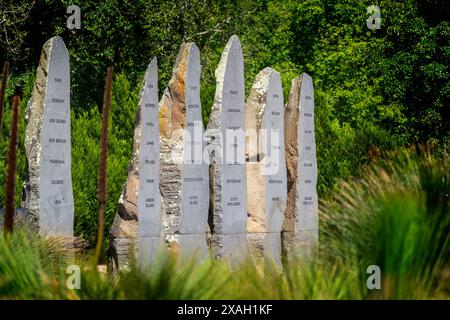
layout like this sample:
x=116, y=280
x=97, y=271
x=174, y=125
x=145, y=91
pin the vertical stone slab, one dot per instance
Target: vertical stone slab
x=195, y=174
x=226, y=144
x=184, y=175
x=301, y=225
x=48, y=187
x=266, y=167
x=139, y=213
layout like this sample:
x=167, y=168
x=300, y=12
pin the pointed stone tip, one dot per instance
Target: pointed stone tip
x=194, y=52
x=56, y=39
x=267, y=70
x=306, y=76
x=234, y=41
x=265, y=73
x=275, y=75
x=296, y=80
x=234, y=38
x=57, y=44
x=152, y=66
x=270, y=71
x=194, y=47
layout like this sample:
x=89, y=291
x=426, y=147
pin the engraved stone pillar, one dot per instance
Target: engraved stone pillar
x=226, y=144
x=301, y=225
x=266, y=167
x=184, y=175
x=48, y=186
x=139, y=211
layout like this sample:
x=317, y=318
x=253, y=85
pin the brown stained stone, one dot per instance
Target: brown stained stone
x=266, y=200
x=291, y=152
x=256, y=187
x=172, y=121
x=300, y=227
x=33, y=117
x=172, y=109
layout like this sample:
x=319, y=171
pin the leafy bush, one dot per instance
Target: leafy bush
x=396, y=216
x=85, y=157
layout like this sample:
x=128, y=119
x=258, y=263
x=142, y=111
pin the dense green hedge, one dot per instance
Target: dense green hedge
x=375, y=89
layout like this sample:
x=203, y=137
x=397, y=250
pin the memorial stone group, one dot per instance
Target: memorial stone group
x=243, y=187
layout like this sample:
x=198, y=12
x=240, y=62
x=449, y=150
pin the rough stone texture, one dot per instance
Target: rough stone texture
x=184, y=176
x=48, y=197
x=266, y=168
x=139, y=215
x=300, y=228
x=172, y=119
x=228, y=205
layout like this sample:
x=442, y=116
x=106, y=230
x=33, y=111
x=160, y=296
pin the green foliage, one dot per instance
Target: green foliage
x=395, y=216
x=85, y=157
x=25, y=81
x=32, y=267
x=342, y=148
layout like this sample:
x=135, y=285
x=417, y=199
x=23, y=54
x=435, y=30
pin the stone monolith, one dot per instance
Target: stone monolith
x=301, y=224
x=226, y=145
x=48, y=196
x=184, y=175
x=139, y=214
x=266, y=167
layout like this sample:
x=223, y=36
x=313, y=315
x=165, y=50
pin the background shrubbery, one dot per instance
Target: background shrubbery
x=375, y=89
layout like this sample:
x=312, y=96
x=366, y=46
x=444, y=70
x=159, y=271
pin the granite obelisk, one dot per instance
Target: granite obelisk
x=226, y=145
x=139, y=215
x=266, y=167
x=301, y=225
x=48, y=186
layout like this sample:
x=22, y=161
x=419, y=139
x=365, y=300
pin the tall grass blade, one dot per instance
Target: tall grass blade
x=8, y=222
x=102, y=183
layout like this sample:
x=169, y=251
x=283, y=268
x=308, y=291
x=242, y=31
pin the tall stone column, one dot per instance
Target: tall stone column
x=226, y=144
x=48, y=187
x=138, y=222
x=301, y=225
x=266, y=167
x=184, y=175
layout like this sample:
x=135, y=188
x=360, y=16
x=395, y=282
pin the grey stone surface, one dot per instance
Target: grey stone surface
x=301, y=224
x=266, y=167
x=48, y=187
x=195, y=174
x=228, y=208
x=138, y=222
x=193, y=246
x=150, y=250
x=184, y=175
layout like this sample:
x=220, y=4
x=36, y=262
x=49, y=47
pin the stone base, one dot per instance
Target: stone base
x=150, y=250
x=193, y=247
x=265, y=247
x=120, y=252
x=231, y=247
x=299, y=245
